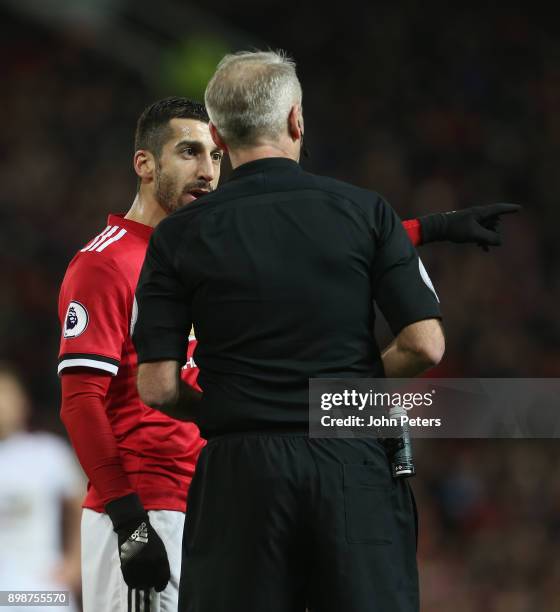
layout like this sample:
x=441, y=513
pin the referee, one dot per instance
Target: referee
x=279, y=270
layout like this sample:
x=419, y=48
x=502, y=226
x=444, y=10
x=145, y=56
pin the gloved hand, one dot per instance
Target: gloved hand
x=478, y=224
x=144, y=561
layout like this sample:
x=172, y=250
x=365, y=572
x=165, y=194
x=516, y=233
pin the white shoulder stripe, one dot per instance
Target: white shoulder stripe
x=88, y=363
x=106, y=243
x=97, y=243
x=97, y=239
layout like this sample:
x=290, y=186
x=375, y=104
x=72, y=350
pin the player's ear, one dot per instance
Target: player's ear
x=144, y=164
x=295, y=122
x=218, y=141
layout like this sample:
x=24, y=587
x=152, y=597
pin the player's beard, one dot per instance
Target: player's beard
x=168, y=193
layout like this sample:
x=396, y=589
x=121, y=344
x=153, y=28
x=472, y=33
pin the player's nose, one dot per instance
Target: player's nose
x=206, y=170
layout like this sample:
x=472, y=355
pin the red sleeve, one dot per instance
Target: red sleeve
x=95, y=310
x=414, y=231
x=83, y=414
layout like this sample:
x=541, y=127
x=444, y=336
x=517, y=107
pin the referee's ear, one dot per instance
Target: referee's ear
x=295, y=123
x=218, y=141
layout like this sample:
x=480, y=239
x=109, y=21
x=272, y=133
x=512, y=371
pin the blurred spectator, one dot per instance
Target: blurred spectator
x=40, y=485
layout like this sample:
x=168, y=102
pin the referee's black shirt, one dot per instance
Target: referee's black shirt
x=278, y=270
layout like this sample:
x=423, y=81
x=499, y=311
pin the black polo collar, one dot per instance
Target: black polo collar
x=264, y=165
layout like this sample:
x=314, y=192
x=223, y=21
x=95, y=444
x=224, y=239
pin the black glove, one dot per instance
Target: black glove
x=144, y=561
x=478, y=224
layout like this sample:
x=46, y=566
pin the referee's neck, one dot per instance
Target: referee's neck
x=239, y=157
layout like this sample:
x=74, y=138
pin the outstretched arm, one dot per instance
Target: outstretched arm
x=477, y=225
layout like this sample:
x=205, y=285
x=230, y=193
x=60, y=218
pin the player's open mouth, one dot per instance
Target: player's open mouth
x=196, y=193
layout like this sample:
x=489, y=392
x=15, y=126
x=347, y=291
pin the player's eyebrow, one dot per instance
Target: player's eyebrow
x=188, y=143
x=195, y=144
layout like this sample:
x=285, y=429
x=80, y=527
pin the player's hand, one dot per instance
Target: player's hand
x=478, y=225
x=144, y=561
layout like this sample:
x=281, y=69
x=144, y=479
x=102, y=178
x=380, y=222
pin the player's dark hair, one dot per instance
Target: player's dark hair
x=153, y=130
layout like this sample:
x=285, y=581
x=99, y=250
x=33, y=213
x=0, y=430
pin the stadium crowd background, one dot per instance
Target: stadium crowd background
x=436, y=109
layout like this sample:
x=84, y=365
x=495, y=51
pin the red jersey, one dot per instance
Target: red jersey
x=97, y=312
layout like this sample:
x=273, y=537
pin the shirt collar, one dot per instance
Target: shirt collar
x=138, y=229
x=264, y=165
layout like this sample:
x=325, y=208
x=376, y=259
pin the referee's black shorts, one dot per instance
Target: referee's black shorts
x=281, y=522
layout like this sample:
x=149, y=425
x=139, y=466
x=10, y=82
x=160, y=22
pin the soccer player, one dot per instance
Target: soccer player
x=140, y=462
x=40, y=484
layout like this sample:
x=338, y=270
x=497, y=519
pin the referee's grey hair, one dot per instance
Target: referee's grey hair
x=250, y=96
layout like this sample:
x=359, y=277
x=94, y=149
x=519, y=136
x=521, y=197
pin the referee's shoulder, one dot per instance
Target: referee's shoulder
x=347, y=191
